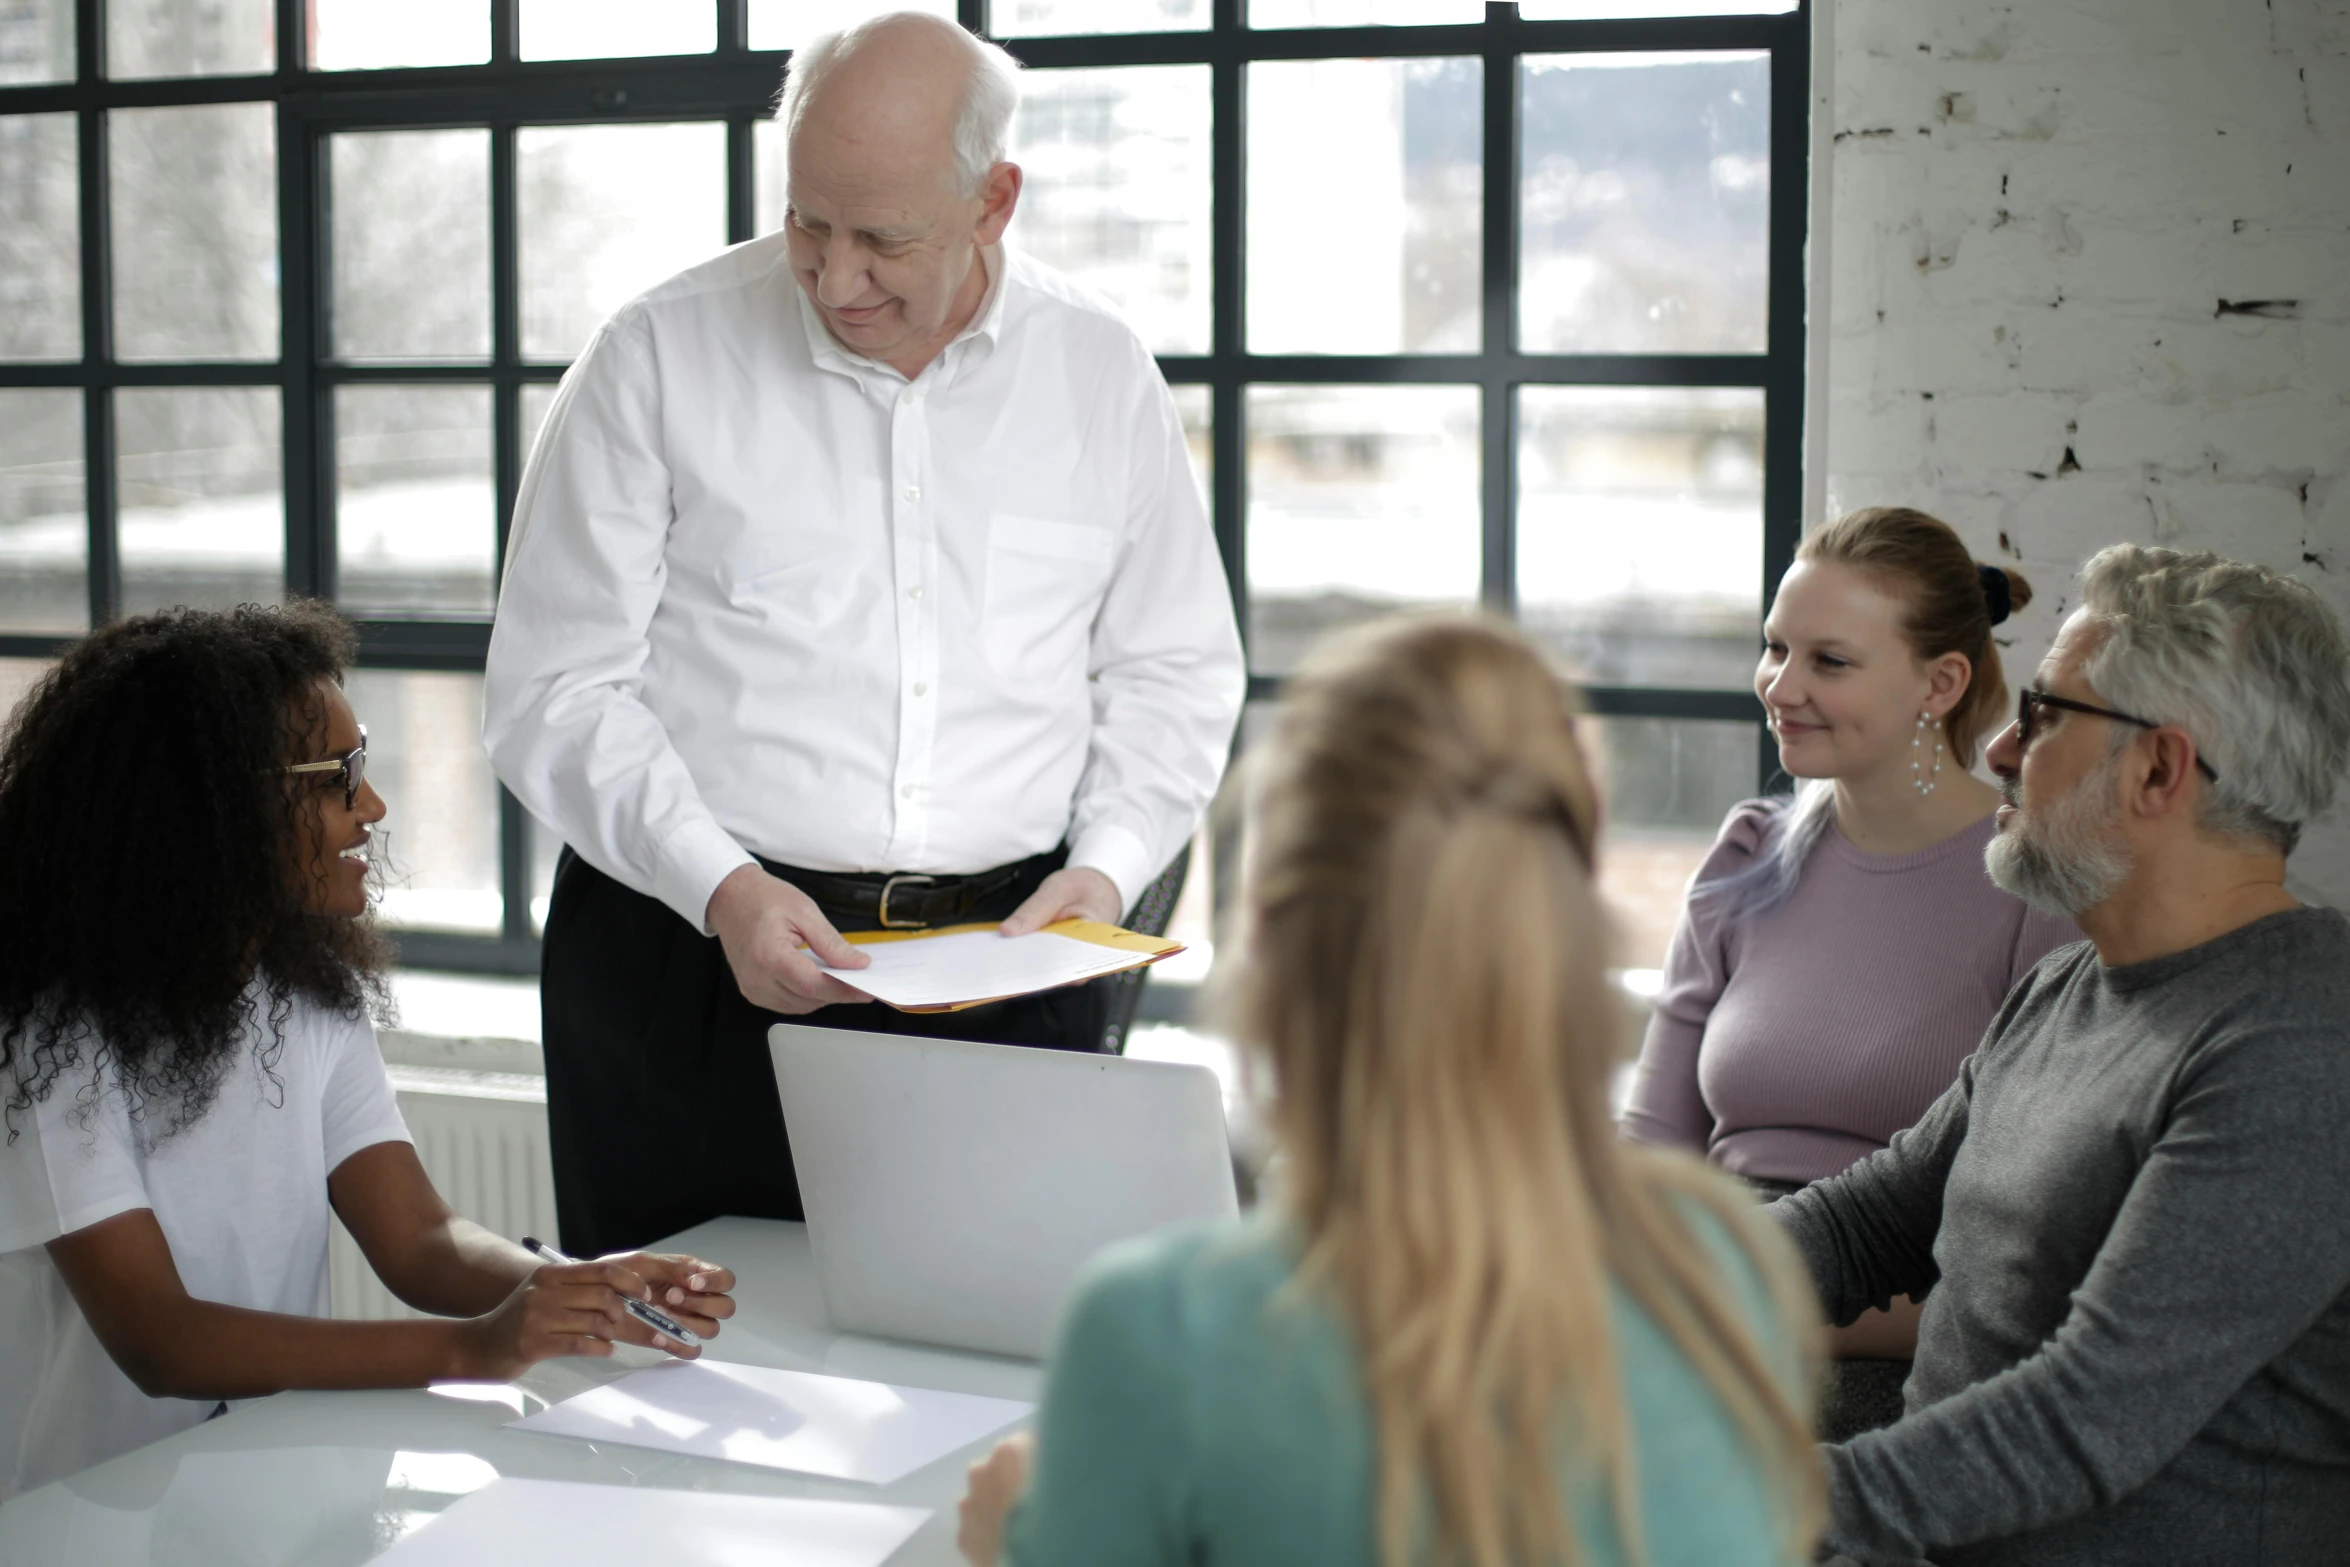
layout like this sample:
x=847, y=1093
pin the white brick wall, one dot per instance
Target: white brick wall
x=2037, y=210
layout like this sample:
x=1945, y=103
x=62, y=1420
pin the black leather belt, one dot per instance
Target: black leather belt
x=909, y=901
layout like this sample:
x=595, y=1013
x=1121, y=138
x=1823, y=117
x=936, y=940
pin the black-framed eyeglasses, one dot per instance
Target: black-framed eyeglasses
x=2029, y=702
x=351, y=766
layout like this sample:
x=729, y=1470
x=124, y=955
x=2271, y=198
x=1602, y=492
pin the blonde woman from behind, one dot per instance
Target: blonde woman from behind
x=1477, y=1327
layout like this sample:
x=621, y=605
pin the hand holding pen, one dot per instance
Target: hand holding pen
x=568, y=1307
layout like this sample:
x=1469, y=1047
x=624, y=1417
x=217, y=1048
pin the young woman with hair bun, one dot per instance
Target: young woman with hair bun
x=1475, y=1326
x=1842, y=950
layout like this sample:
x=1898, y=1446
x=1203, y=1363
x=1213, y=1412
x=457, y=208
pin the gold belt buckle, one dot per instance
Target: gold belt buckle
x=891, y=886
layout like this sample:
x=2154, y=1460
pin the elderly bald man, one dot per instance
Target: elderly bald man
x=859, y=578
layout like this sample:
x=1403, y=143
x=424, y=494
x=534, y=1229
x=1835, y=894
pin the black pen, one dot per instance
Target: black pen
x=651, y=1316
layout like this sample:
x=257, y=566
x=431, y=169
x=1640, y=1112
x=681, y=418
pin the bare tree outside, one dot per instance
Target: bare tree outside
x=36, y=41
x=194, y=197
x=44, y=539
x=200, y=479
x=190, y=37
x=40, y=238
x=410, y=245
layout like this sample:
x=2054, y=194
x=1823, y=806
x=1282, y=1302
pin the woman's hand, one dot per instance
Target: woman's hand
x=996, y=1483
x=561, y=1309
x=697, y=1293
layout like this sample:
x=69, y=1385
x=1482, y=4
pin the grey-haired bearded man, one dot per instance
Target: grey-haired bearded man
x=2133, y=1208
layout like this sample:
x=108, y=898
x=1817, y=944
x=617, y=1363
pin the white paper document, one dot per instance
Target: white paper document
x=512, y=1521
x=962, y=966
x=796, y=1420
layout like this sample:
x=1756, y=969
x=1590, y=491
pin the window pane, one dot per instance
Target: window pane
x=40, y=237
x=1047, y=18
x=1600, y=10
x=179, y=38
x=607, y=211
x=537, y=398
x=360, y=35
x=1669, y=783
x=609, y=29
x=787, y=24
x=1196, y=408
x=200, y=472
x=1646, y=203
x=411, y=245
x=1640, y=530
x=439, y=835
x=1364, y=212
x=1117, y=191
x=1361, y=500
x=44, y=535
x=36, y=42
x=416, y=505
x=770, y=194
x=16, y=681
x=1361, y=13
x=194, y=200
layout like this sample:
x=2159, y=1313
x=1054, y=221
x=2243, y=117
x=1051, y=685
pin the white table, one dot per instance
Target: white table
x=333, y=1479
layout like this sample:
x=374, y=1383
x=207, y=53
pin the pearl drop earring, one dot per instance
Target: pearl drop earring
x=1923, y=776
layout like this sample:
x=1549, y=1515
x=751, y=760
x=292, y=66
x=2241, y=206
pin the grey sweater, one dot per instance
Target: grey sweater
x=2133, y=1210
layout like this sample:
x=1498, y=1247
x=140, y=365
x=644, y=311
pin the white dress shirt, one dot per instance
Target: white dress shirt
x=764, y=595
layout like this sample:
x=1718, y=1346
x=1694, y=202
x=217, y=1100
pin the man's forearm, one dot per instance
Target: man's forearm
x=1867, y=1235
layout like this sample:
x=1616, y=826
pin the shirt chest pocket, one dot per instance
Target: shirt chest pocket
x=1045, y=581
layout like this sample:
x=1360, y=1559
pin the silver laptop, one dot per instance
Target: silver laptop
x=953, y=1190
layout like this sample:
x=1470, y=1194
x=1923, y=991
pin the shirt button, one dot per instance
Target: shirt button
x=914, y=592
x=913, y=492
x=921, y=688
x=909, y=397
x=907, y=790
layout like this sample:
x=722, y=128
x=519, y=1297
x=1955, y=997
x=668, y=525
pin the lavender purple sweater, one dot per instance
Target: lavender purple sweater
x=1788, y=1046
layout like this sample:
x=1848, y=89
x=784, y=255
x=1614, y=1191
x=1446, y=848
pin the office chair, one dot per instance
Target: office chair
x=1149, y=916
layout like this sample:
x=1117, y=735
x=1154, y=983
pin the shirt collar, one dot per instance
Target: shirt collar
x=986, y=324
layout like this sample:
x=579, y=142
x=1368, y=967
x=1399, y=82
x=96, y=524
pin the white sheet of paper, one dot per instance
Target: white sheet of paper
x=511, y=1521
x=795, y=1420
x=979, y=965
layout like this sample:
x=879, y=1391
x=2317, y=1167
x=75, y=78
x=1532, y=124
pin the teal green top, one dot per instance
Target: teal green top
x=1189, y=1418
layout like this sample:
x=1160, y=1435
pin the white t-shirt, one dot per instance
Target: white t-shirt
x=241, y=1197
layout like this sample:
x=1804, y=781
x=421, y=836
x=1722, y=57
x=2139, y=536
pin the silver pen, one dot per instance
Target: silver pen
x=651, y=1316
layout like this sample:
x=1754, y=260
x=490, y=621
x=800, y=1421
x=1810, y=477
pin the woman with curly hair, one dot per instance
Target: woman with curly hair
x=188, y=1071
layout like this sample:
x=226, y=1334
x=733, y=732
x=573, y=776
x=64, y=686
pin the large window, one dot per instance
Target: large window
x=1463, y=303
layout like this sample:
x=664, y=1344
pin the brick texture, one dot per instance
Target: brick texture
x=2089, y=281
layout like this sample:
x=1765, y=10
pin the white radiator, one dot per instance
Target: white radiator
x=482, y=1137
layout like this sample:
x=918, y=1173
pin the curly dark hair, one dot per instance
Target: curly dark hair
x=150, y=851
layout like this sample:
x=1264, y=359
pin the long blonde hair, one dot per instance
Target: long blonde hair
x=1424, y=970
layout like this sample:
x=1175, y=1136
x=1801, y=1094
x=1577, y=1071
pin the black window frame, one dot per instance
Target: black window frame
x=736, y=85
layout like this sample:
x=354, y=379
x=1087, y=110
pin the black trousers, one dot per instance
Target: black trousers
x=661, y=1102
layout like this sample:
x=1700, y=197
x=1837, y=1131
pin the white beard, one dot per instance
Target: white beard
x=2068, y=857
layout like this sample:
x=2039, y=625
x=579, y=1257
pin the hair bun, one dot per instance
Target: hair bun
x=1996, y=596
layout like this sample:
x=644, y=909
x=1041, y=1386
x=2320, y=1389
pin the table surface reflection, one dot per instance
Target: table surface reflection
x=334, y=1479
